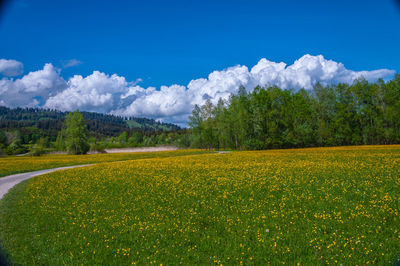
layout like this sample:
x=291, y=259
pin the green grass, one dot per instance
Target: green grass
x=307, y=206
x=20, y=164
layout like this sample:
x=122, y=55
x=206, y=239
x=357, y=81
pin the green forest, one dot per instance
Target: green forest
x=266, y=118
x=332, y=115
x=49, y=122
x=26, y=129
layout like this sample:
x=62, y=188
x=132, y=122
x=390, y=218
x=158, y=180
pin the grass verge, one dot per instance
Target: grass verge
x=20, y=164
x=307, y=206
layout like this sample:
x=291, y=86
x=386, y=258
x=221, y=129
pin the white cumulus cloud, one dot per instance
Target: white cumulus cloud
x=307, y=71
x=168, y=102
x=113, y=94
x=33, y=89
x=11, y=67
x=97, y=92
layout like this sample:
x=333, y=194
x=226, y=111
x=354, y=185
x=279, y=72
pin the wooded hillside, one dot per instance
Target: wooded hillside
x=34, y=123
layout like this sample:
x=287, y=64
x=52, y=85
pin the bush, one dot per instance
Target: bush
x=39, y=148
x=96, y=147
x=16, y=148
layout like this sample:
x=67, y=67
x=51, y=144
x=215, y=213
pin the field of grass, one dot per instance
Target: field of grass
x=19, y=164
x=306, y=206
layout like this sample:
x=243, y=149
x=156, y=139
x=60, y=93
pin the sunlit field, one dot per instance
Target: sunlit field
x=19, y=164
x=307, y=206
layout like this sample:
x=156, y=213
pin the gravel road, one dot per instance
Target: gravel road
x=7, y=182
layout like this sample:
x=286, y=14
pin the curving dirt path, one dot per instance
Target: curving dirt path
x=7, y=182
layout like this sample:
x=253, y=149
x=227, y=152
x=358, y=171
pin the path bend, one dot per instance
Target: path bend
x=7, y=182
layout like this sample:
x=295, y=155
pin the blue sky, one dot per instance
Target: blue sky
x=176, y=42
x=166, y=42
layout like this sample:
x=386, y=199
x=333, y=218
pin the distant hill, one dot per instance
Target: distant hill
x=47, y=122
x=150, y=124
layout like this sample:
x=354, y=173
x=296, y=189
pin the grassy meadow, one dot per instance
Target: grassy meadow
x=306, y=206
x=19, y=164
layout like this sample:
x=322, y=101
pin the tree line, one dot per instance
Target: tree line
x=331, y=115
x=75, y=138
x=33, y=123
x=270, y=117
x=35, y=130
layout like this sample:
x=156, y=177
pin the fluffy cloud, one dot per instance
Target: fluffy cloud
x=33, y=89
x=220, y=84
x=113, y=94
x=98, y=93
x=11, y=68
x=170, y=103
x=307, y=71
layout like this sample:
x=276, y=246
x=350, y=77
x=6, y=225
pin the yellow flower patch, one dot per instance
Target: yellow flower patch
x=300, y=206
